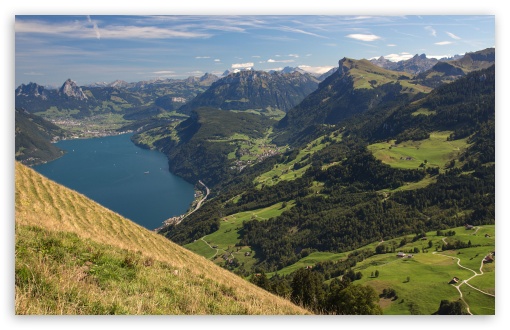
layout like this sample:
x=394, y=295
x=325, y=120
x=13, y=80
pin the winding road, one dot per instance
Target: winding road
x=466, y=281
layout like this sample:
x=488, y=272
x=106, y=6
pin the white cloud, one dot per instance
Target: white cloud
x=279, y=61
x=217, y=60
x=293, y=55
x=201, y=57
x=363, y=37
x=315, y=69
x=164, y=72
x=442, y=43
x=256, y=56
x=242, y=65
x=391, y=45
x=438, y=57
x=431, y=30
x=398, y=57
x=453, y=36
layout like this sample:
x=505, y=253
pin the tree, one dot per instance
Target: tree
x=376, y=273
x=451, y=308
x=307, y=289
x=356, y=299
x=261, y=280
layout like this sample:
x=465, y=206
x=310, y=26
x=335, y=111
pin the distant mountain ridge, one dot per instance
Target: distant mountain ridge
x=257, y=90
x=414, y=65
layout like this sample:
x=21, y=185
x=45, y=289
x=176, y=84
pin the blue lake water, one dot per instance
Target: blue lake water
x=117, y=174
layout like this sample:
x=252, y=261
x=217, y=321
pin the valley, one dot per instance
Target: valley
x=360, y=183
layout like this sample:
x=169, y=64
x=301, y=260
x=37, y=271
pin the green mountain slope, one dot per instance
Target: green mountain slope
x=424, y=165
x=357, y=86
x=211, y=145
x=73, y=256
x=33, y=137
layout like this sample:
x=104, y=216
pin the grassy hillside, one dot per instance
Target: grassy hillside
x=74, y=256
x=423, y=280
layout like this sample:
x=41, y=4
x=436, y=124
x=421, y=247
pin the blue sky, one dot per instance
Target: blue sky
x=92, y=48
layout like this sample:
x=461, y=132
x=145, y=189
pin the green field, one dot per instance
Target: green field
x=435, y=151
x=286, y=172
x=422, y=281
x=223, y=241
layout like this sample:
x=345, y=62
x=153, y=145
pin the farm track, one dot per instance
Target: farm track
x=466, y=281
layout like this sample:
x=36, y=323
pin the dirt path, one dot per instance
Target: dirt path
x=466, y=281
x=209, y=245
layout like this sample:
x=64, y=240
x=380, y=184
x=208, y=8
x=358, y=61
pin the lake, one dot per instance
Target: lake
x=117, y=174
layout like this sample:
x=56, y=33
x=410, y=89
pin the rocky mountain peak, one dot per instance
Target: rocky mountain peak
x=70, y=89
x=31, y=89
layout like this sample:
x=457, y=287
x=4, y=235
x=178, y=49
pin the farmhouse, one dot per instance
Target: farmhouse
x=401, y=254
x=454, y=280
x=468, y=227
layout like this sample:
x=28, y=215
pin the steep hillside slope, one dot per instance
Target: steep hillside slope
x=74, y=256
x=210, y=144
x=33, y=137
x=357, y=86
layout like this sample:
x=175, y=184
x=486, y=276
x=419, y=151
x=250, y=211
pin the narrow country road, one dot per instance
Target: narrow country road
x=466, y=281
x=200, y=202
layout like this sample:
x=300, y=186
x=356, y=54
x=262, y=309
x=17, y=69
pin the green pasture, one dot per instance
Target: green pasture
x=422, y=281
x=286, y=172
x=423, y=111
x=310, y=260
x=227, y=236
x=435, y=151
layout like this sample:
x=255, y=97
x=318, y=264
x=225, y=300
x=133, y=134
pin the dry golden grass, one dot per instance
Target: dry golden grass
x=168, y=278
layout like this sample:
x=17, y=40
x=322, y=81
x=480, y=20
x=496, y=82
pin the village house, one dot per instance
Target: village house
x=401, y=254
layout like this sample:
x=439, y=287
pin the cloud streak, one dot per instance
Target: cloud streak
x=82, y=30
x=432, y=31
x=363, y=37
x=453, y=36
x=95, y=27
x=443, y=43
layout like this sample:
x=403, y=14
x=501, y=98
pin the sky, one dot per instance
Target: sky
x=103, y=48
